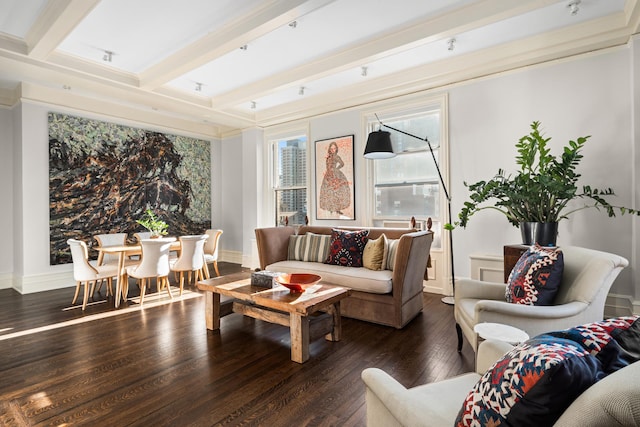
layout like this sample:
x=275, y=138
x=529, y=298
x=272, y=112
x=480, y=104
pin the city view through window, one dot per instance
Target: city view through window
x=291, y=181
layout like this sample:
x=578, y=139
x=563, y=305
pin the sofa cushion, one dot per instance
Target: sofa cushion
x=358, y=279
x=296, y=247
x=536, y=277
x=373, y=253
x=535, y=382
x=347, y=247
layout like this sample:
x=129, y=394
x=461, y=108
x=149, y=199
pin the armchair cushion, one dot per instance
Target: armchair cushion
x=536, y=277
x=347, y=247
x=535, y=382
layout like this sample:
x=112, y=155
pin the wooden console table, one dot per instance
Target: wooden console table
x=512, y=254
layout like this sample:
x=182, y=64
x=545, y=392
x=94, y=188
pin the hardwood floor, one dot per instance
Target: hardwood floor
x=159, y=366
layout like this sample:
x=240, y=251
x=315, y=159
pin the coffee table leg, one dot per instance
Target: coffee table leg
x=299, y=337
x=212, y=310
x=336, y=332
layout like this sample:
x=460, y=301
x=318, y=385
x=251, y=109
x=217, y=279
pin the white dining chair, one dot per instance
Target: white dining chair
x=154, y=264
x=211, y=251
x=141, y=235
x=110, y=239
x=86, y=274
x=191, y=259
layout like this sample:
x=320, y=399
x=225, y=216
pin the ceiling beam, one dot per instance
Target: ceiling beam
x=471, y=16
x=54, y=24
x=269, y=16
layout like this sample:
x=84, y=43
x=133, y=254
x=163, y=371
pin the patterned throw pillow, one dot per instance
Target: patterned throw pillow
x=536, y=277
x=534, y=383
x=374, y=253
x=347, y=247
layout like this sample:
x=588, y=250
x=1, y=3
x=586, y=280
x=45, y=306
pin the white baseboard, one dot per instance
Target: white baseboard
x=44, y=282
x=6, y=281
x=233, y=257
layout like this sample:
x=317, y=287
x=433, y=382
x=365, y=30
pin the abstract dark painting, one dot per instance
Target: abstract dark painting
x=103, y=176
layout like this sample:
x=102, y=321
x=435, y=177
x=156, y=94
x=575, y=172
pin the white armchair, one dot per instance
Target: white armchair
x=390, y=404
x=587, y=277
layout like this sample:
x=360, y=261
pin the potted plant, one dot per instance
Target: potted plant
x=536, y=198
x=153, y=223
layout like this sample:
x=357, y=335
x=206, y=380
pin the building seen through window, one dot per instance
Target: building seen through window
x=291, y=180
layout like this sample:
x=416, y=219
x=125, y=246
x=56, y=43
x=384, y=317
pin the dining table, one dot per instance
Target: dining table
x=124, y=251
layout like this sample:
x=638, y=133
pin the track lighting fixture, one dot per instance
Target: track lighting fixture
x=293, y=24
x=108, y=56
x=451, y=43
x=198, y=87
x=244, y=47
x=301, y=90
x=364, y=71
x=253, y=105
x=574, y=7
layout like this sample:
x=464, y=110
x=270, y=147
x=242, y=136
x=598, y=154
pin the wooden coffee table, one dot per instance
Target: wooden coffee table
x=308, y=315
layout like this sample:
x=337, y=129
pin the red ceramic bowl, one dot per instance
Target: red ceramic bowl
x=297, y=282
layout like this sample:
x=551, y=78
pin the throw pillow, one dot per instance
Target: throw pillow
x=390, y=257
x=535, y=279
x=373, y=253
x=347, y=247
x=316, y=247
x=296, y=247
x=534, y=383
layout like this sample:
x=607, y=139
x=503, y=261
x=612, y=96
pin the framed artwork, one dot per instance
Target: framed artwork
x=335, y=189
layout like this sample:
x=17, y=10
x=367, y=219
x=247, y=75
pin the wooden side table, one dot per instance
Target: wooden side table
x=512, y=254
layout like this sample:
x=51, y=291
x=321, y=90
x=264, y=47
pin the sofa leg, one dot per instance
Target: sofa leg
x=459, y=332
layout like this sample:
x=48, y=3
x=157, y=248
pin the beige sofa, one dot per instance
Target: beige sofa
x=612, y=401
x=385, y=297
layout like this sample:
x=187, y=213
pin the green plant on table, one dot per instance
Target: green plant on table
x=153, y=223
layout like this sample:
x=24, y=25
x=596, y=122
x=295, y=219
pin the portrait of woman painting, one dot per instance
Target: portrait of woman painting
x=335, y=198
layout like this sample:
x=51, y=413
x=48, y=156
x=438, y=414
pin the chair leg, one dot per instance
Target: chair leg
x=143, y=288
x=165, y=280
x=205, y=268
x=88, y=287
x=459, y=332
x=181, y=282
x=75, y=296
x=215, y=265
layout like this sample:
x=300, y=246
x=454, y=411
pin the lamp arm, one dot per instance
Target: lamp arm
x=444, y=188
x=425, y=139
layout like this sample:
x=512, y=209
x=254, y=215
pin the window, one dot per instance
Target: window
x=290, y=180
x=407, y=185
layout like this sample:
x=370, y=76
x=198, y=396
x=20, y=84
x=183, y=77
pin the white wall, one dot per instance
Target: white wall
x=6, y=194
x=231, y=194
x=590, y=95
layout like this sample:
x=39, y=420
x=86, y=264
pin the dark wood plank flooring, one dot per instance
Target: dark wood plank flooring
x=159, y=366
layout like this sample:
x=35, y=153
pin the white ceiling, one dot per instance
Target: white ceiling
x=185, y=57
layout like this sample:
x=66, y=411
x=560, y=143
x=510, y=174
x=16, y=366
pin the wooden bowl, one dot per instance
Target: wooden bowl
x=297, y=282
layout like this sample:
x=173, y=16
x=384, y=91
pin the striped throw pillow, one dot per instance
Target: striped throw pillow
x=297, y=245
x=316, y=247
x=392, y=248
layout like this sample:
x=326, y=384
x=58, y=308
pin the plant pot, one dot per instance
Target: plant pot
x=542, y=233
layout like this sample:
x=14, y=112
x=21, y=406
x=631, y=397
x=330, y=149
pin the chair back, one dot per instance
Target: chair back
x=191, y=253
x=211, y=244
x=141, y=235
x=82, y=270
x=588, y=275
x=111, y=239
x=155, y=257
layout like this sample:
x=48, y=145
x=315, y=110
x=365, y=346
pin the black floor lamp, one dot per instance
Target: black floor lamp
x=379, y=147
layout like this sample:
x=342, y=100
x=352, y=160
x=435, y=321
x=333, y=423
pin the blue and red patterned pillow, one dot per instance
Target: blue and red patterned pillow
x=346, y=247
x=534, y=383
x=536, y=277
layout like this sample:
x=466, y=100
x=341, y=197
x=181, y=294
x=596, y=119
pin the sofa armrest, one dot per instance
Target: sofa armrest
x=476, y=289
x=410, y=264
x=273, y=244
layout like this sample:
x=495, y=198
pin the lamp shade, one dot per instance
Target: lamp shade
x=379, y=145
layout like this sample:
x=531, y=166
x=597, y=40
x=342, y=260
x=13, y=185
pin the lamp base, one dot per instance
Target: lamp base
x=448, y=300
